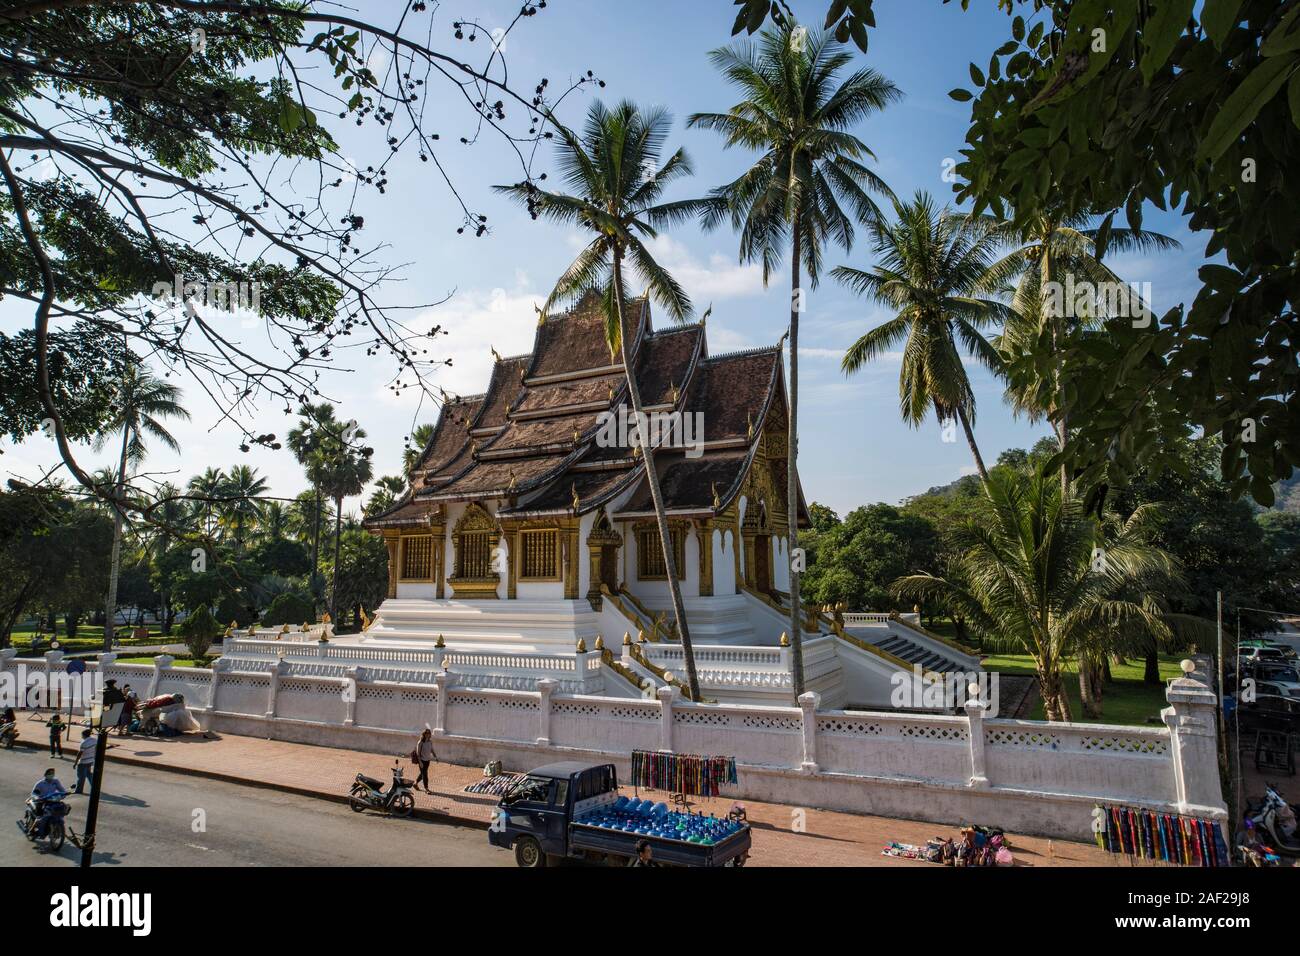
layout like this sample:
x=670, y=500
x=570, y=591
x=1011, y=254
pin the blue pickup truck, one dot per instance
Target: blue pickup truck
x=574, y=810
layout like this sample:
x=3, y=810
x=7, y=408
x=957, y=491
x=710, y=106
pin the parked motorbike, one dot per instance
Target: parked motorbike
x=1270, y=819
x=369, y=794
x=47, y=824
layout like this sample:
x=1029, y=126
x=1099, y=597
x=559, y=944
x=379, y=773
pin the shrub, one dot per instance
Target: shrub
x=288, y=608
x=199, y=630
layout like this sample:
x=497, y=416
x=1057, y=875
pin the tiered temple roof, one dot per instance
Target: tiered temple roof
x=531, y=438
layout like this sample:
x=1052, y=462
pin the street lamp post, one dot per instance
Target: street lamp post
x=107, y=719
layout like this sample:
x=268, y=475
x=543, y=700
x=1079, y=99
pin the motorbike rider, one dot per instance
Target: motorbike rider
x=47, y=788
x=8, y=727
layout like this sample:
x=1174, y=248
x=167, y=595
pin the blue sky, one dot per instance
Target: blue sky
x=854, y=449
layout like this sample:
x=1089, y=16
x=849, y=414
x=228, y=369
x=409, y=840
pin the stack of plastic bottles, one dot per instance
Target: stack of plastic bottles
x=649, y=819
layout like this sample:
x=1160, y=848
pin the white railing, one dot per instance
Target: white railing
x=865, y=620
x=1030, y=770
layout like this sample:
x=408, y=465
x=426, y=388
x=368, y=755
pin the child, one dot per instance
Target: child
x=57, y=726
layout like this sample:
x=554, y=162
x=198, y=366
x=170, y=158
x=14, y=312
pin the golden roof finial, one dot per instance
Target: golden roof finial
x=512, y=484
x=495, y=354
x=576, y=436
x=785, y=639
x=717, y=502
x=609, y=390
x=576, y=500
x=541, y=316
x=440, y=642
x=705, y=317
x=627, y=638
x=582, y=646
x=750, y=434
x=600, y=643
x=640, y=635
x=674, y=393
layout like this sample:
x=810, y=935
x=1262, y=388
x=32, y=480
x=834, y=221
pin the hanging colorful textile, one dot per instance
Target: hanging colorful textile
x=1187, y=841
x=682, y=773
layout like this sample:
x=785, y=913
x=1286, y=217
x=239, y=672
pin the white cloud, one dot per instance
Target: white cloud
x=967, y=470
x=720, y=278
x=478, y=321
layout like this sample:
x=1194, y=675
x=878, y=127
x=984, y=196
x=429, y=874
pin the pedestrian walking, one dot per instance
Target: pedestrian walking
x=424, y=754
x=85, y=759
x=57, y=726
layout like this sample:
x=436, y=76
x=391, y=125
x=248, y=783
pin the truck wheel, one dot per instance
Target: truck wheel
x=528, y=853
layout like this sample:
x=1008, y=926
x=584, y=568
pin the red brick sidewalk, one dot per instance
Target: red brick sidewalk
x=827, y=838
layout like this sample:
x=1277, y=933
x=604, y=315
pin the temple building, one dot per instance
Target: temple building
x=517, y=497
x=528, y=532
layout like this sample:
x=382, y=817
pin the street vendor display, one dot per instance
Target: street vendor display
x=649, y=819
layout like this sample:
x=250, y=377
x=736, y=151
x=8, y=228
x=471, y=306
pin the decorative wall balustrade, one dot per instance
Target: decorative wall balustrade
x=1170, y=766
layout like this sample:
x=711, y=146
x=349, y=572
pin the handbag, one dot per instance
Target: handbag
x=415, y=756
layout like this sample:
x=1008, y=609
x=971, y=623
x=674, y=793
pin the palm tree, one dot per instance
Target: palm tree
x=241, y=510
x=617, y=181
x=1047, y=250
x=172, y=511
x=274, y=521
x=301, y=515
x=1033, y=566
x=209, y=488
x=141, y=404
x=303, y=440
x=797, y=113
x=419, y=439
x=344, y=469
x=387, y=490
x=931, y=262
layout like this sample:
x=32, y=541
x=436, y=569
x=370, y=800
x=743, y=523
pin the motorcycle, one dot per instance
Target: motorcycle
x=1271, y=818
x=369, y=793
x=47, y=824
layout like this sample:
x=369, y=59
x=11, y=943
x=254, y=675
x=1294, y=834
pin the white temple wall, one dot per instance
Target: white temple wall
x=585, y=524
x=780, y=563
x=724, y=563
x=741, y=505
x=1027, y=776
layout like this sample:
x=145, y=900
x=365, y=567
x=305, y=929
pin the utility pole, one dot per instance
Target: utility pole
x=107, y=719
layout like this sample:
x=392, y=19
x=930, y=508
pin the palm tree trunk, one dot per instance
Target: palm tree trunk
x=115, y=563
x=970, y=440
x=1089, y=697
x=1059, y=426
x=652, y=481
x=1151, y=670
x=338, y=532
x=791, y=473
x=1056, y=706
x=315, y=553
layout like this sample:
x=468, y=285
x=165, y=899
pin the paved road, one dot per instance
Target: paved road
x=146, y=819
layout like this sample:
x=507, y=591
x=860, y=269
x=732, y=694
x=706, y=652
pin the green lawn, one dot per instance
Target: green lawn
x=89, y=638
x=178, y=662
x=1126, y=700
